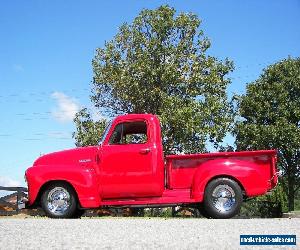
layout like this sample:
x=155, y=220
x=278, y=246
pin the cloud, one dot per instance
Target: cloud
x=66, y=107
x=8, y=182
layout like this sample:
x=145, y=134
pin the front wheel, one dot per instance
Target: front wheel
x=222, y=198
x=59, y=201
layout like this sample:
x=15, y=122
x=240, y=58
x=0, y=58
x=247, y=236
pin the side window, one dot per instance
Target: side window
x=129, y=133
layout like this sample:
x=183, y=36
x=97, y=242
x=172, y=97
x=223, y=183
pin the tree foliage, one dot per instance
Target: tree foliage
x=158, y=64
x=270, y=112
x=88, y=132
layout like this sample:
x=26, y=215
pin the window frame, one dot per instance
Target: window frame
x=123, y=144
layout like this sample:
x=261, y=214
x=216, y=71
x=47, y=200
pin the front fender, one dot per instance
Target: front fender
x=246, y=173
x=83, y=179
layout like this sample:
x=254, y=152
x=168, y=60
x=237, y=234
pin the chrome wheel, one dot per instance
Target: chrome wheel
x=223, y=198
x=58, y=201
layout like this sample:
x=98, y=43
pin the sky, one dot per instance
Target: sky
x=46, y=49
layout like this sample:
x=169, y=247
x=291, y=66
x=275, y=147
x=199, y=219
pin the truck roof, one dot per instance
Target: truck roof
x=136, y=116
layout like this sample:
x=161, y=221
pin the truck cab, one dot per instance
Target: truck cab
x=128, y=169
x=131, y=157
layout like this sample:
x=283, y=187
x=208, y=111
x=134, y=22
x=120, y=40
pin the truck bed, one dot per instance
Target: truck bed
x=183, y=169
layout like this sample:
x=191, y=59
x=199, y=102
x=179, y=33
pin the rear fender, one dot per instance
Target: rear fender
x=244, y=172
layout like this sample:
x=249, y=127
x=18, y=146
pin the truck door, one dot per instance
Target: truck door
x=126, y=162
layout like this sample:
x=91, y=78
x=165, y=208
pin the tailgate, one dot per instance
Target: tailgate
x=274, y=171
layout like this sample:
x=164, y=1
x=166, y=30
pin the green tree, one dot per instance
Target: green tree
x=270, y=112
x=266, y=206
x=88, y=132
x=158, y=64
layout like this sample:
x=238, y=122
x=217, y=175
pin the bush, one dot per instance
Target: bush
x=266, y=206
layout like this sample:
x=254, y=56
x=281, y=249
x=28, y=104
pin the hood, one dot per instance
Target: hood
x=69, y=157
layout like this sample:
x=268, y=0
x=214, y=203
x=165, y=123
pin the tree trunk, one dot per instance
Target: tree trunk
x=291, y=193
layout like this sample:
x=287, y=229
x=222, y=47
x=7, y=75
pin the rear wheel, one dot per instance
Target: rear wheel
x=222, y=199
x=203, y=211
x=59, y=201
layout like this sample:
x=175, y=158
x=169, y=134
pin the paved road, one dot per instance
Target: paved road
x=126, y=233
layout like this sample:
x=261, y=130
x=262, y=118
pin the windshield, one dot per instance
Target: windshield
x=104, y=134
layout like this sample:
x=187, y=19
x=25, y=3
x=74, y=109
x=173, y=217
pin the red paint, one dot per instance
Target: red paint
x=134, y=173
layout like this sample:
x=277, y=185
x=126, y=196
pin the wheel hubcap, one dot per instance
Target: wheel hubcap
x=58, y=201
x=223, y=198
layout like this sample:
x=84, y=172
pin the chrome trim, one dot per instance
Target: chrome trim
x=84, y=160
x=59, y=201
x=106, y=130
x=223, y=197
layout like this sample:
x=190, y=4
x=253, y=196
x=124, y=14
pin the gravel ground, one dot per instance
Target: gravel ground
x=136, y=233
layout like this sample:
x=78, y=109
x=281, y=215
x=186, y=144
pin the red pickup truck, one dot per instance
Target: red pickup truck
x=128, y=169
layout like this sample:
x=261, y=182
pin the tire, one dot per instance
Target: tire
x=203, y=211
x=78, y=214
x=59, y=201
x=222, y=199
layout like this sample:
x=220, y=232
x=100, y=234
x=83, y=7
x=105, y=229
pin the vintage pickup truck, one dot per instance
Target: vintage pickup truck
x=128, y=169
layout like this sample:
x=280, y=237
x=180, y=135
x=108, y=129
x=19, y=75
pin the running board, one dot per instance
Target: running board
x=169, y=197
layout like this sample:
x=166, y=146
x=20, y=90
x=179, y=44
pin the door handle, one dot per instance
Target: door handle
x=145, y=151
